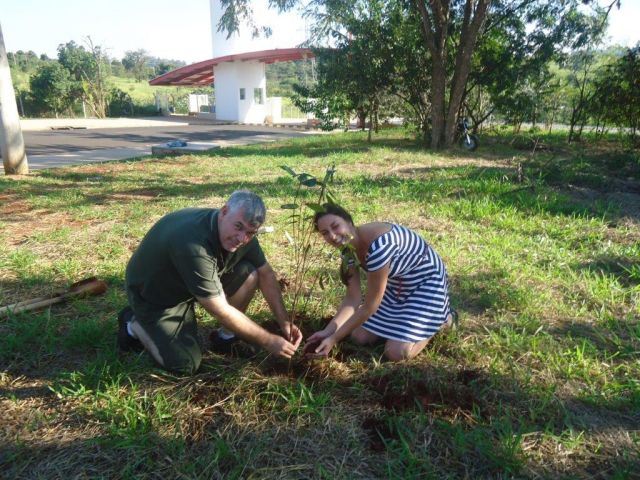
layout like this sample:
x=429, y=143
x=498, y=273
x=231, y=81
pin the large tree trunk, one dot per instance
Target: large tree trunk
x=435, y=25
x=471, y=26
x=14, y=156
x=435, y=21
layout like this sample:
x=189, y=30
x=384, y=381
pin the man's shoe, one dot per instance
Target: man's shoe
x=126, y=343
x=233, y=347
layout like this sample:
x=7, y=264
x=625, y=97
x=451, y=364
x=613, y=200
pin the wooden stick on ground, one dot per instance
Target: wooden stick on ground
x=86, y=287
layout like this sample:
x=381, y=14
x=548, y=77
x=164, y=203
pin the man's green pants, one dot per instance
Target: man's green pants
x=171, y=334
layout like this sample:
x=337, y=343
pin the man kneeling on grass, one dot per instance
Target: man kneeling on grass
x=212, y=257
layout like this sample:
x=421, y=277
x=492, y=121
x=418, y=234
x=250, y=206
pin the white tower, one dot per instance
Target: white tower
x=240, y=86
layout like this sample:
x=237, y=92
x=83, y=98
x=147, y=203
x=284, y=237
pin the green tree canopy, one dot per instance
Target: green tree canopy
x=135, y=62
x=89, y=68
x=51, y=88
x=617, y=91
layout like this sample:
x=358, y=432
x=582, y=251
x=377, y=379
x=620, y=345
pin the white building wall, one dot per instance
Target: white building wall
x=251, y=76
x=229, y=78
x=225, y=80
x=274, y=108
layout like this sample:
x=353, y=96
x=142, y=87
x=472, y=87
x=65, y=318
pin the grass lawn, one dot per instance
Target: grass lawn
x=142, y=93
x=541, y=380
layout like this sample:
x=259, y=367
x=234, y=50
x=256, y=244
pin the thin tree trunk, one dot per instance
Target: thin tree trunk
x=14, y=156
x=438, y=91
x=579, y=106
x=553, y=117
x=376, y=108
x=20, y=103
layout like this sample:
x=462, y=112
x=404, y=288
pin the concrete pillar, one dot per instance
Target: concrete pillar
x=12, y=149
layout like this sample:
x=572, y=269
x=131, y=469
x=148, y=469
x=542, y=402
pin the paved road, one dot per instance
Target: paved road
x=48, y=148
x=64, y=141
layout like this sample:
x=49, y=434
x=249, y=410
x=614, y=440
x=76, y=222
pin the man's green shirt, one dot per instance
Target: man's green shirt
x=181, y=258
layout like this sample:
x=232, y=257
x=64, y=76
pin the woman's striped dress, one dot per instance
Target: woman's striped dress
x=416, y=301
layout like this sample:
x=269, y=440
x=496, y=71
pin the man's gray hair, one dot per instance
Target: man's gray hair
x=251, y=204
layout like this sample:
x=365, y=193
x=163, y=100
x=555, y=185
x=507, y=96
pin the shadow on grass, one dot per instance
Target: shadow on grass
x=426, y=419
x=497, y=186
x=617, y=341
x=33, y=340
x=625, y=269
x=451, y=419
x=486, y=291
x=483, y=418
x=154, y=192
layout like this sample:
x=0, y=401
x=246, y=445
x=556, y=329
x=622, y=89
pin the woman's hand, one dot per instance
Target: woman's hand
x=325, y=346
x=320, y=343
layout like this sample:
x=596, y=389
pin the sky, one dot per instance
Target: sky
x=170, y=29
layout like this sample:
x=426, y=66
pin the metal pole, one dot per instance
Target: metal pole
x=14, y=156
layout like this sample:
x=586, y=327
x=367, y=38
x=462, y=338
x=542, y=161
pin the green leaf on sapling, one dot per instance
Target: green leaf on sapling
x=316, y=207
x=310, y=182
x=289, y=170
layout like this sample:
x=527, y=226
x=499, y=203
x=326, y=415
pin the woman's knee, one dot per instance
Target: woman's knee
x=397, y=351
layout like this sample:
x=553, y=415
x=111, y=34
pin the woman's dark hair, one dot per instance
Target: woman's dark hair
x=331, y=209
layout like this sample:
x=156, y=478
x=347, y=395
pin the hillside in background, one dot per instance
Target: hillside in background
x=127, y=89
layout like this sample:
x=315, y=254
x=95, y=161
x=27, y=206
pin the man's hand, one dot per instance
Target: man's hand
x=292, y=333
x=280, y=346
x=236, y=321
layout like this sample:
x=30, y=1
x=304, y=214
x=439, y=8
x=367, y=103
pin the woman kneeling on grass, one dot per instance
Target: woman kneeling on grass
x=406, y=301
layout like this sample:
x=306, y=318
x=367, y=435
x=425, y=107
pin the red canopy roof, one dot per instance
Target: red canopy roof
x=201, y=73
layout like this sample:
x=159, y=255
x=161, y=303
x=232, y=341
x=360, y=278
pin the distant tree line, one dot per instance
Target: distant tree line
x=282, y=77
x=77, y=81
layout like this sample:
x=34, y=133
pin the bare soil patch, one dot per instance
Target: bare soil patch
x=10, y=205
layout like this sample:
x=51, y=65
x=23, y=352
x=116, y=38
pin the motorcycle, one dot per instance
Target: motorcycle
x=468, y=140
